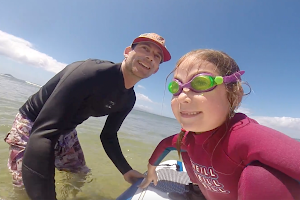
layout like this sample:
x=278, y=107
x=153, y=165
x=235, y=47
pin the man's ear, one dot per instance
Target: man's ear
x=127, y=51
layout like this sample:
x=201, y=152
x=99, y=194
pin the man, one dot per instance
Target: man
x=82, y=89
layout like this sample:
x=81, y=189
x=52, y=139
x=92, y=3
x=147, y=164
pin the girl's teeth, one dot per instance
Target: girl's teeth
x=191, y=113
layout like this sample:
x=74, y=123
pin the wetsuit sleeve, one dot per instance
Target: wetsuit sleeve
x=163, y=148
x=110, y=139
x=271, y=148
x=54, y=119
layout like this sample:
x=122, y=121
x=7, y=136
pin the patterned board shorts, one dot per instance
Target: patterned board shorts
x=68, y=153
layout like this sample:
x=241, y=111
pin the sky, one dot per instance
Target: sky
x=39, y=38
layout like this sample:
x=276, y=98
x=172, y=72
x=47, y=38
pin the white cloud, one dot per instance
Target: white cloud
x=142, y=97
x=23, y=51
x=244, y=110
x=287, y=125
x=143, y=102
x=288, y=122
x=140, y=86
x=143, y=107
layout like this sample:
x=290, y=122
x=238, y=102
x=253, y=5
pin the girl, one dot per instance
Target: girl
x=227, y=154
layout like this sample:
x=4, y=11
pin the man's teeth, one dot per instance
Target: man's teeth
x=144, y=65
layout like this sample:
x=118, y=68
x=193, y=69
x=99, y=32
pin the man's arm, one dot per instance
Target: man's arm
x=54, y=119
x=110, y=139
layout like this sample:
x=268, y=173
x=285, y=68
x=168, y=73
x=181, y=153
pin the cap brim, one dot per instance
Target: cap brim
x=166, y=53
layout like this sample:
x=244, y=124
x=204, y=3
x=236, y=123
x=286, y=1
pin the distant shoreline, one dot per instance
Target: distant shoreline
x=8, y=75
x=11, y=76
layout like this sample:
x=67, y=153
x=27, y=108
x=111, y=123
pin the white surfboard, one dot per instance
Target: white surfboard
x=172, y=177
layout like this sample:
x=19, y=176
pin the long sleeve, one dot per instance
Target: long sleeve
x=54, y=119
x=110, y=140
x=270, y=147
x=163, y=148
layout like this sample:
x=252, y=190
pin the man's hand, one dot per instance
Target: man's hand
x=132, y=176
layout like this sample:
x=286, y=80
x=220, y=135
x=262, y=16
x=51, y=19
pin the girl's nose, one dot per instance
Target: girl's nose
x=184, y=97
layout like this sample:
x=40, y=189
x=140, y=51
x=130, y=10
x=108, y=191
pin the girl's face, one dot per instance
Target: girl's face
x=199, y=112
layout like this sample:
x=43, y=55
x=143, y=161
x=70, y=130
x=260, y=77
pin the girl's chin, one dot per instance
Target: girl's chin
x=189, y=127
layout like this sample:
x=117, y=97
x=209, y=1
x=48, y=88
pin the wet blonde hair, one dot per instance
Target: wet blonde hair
x=225, y=66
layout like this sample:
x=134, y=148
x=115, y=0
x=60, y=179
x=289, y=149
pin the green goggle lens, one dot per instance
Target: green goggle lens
x=202, y=83
x=173, y=87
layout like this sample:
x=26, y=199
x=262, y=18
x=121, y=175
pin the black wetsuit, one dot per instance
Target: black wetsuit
x=82, y=89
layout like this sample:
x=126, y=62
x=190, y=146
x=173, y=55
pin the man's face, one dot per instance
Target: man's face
x=143, y=60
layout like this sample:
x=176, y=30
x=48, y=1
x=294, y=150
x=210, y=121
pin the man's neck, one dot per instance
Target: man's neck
x=129, y=79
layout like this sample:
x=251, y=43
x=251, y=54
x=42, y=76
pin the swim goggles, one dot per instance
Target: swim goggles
x=203, y=82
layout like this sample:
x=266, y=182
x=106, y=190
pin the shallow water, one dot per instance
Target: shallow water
x=139, y=135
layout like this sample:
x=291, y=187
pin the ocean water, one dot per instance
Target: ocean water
x=138, y=136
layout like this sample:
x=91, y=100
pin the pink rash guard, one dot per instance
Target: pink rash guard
x=216, y=159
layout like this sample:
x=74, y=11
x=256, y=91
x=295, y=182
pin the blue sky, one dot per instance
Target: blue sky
x=38, y=38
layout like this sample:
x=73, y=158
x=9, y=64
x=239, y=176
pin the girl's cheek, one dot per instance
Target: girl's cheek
x=173, y=103
x=199, y=98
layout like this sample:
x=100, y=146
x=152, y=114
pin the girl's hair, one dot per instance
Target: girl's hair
x=225, y=66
